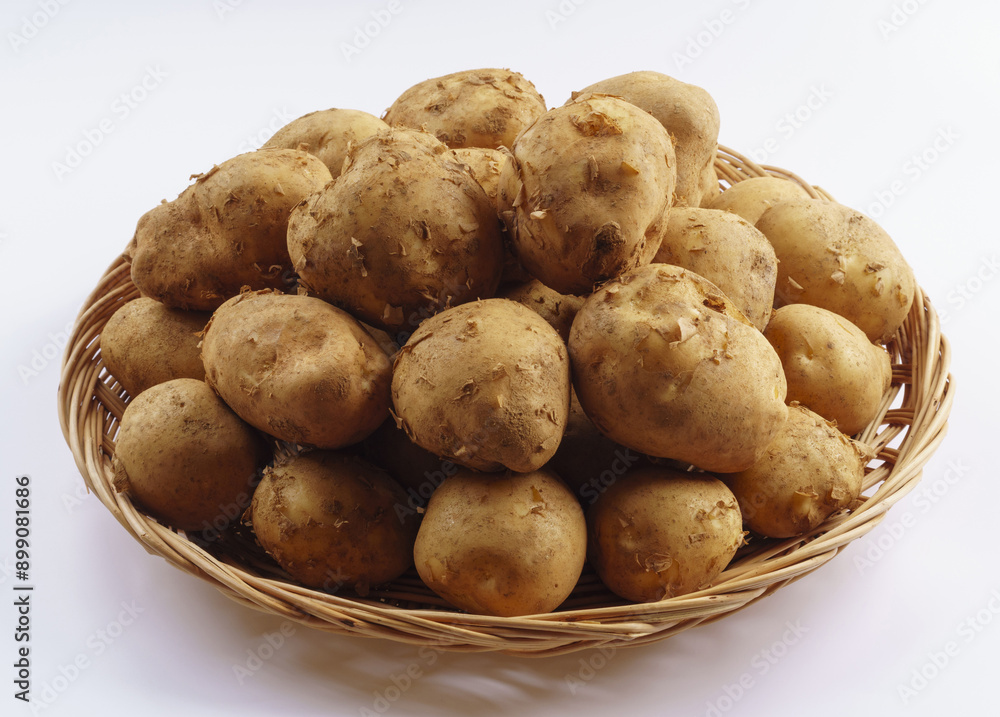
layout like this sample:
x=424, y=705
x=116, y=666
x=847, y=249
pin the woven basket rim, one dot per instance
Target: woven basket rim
x=911, y=424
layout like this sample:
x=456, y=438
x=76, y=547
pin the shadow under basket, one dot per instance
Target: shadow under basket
x=911, y=423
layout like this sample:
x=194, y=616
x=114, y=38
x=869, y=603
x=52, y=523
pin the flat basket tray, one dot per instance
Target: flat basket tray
x=911, y=423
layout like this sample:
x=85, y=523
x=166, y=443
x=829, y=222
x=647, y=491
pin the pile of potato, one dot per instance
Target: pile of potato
x=497, y=341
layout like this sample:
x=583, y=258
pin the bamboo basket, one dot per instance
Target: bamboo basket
x=911, y=423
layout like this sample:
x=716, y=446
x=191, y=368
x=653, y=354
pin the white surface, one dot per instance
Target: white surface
x=216, y=80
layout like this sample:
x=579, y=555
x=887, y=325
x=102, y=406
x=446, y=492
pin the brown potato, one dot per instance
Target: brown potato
x=402, y=233
x=485, y=385
x=665, y=364
x=486, y=166
x=503, y=544
x=727, y=251
x=585, y=195
x=331, y=520
x=558, y=309
x=810, y=471
x=473, y=108
x=691, y=117
x=327, y=134
x=658, y=533
x=587, y=460
x=297, y=368
x=226, y=231
x=752, y=197
x=185, y=458
x=836, y=258
x=830, y=365
x=145, y=343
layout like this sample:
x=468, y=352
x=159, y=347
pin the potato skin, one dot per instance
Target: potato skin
x=474, y=108
x=810, y=471
x=752, y=197
x=502, y=544
x=658, y=533
x=333, y=520
x=297, y=368
x=691, y=117
x=327, y=134
x=585, y=195
x=830, y=365
x=558, y=309
x=485, y=385
x=727, y=251
x=226, y=231
x=836, y=258
x=665, y=364
x=145, y=343
x=185, y=458
x=403, y=232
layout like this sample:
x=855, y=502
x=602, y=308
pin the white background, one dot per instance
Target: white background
x=888, y=81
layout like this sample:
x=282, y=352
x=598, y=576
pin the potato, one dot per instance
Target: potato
x=504, y=544
x=327, y=134
x=226, y=231
x=689, y=115
x=558, y=309
x=810, y=471
x=585, y=194
x=588, y=461
x=485, y=385
x=474, y=108
x=145, y=343
x=727, y=251
x=419, y=471
x=486, y=165
x=403, y=232
x=664, y=363
x=830, y=365
x=185, y=458
x=658, y=533
x=836, y=258
x=331, y=520
x=297, y=368
x=752, y=197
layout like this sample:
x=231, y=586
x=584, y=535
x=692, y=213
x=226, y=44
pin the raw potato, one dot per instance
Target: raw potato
x=327, y=134
x=830, y=365
x=145, y=343
x=474, y=108
x=185, y=458
x=752, y=197
x=558, y=309
x=486, y=166
x=691, y=117
x=658, y=533
x=506, y=544
x=810, y=471
x=226, y=231
x=419, y=471
x=485, y=385
x=585, y=195
x=837, y=258
x=665, y=364
x=297, y=368
x=727, y=251
x=587, y=460
x=404, y=232
x=332, y=520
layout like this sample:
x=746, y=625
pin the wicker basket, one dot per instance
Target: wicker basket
x=911, y=424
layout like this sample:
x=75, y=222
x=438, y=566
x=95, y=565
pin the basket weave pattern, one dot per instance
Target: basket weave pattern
x=911, y=423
